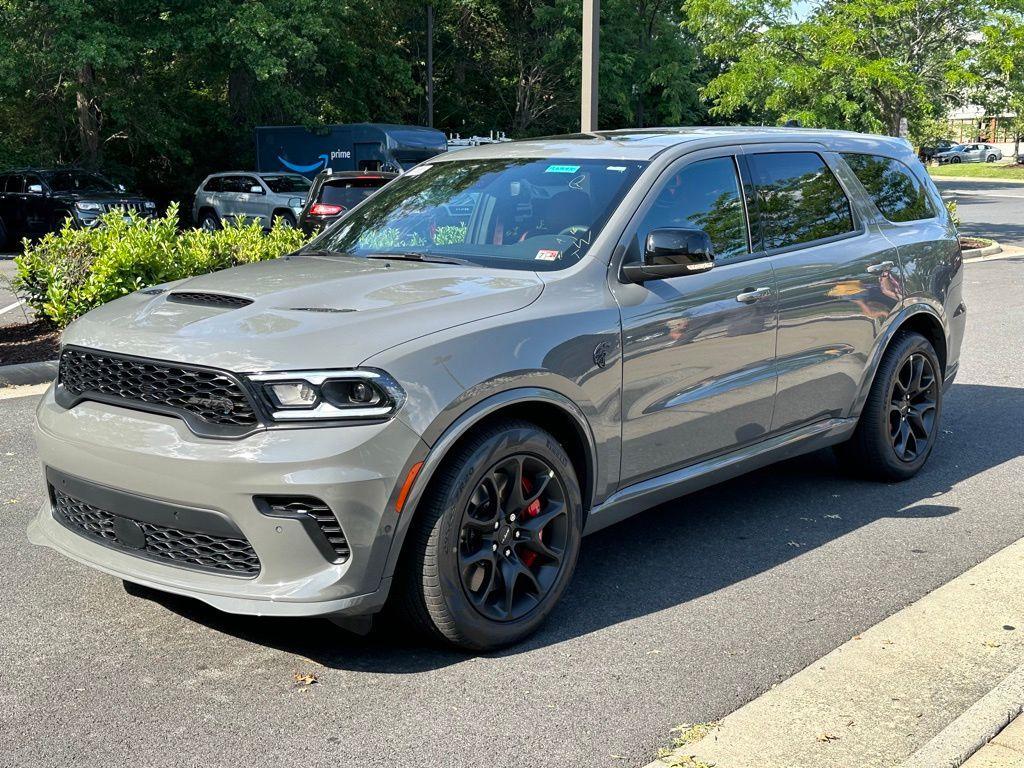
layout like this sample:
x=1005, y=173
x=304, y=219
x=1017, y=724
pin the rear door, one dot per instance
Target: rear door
x=837, y=280
x=698, y=373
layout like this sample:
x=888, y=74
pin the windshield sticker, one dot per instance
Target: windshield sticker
x=619, y=168
x=417, y=170
x=562, y=169
x=578, y=182
x=545, y=254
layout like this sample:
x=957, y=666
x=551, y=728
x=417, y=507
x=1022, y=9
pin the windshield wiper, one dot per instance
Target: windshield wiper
x=414, y=256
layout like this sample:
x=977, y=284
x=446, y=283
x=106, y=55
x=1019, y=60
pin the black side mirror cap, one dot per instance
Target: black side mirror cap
x=672, y=253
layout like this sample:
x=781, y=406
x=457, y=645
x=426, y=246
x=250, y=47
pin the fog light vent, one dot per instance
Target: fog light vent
x=311, y=509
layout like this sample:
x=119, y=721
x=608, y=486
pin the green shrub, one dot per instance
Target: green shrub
x=67, y=273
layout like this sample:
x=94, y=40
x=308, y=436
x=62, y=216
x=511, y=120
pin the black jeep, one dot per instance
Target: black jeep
x=34, y=201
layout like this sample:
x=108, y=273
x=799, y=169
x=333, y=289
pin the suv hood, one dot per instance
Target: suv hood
x=306, y=312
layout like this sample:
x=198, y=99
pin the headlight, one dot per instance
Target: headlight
x=149, y=205
x=356, y=394
x=82, y=205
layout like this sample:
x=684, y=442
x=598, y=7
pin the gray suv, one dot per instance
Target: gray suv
x=260, y=197
x=502, y=350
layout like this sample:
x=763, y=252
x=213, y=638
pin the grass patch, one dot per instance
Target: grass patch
x=978, y=171
x=686, y=734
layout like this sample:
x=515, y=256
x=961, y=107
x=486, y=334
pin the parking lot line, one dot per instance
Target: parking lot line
x=9, y=307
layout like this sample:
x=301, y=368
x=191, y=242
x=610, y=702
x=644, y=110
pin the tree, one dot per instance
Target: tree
x=861, y=64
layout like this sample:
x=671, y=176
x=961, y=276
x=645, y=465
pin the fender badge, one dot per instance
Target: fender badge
x=601, y=352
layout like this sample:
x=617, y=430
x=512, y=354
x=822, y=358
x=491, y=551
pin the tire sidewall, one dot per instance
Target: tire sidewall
x=909, y=345
x=473, y=626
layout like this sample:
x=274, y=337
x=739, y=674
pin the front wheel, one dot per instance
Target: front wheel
x=209, y=221
x=955, y=160
x=900, y=421
x=496, y=541
x=990, y=159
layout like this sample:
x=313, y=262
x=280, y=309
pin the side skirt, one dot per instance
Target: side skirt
x=635, y=498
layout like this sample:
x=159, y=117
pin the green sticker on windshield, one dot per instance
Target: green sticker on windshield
x=562, y=169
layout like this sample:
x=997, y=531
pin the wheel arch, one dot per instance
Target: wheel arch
x=548, y=409
x=921, y=318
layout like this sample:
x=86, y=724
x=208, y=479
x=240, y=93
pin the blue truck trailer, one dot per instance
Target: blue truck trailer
x=353, y=147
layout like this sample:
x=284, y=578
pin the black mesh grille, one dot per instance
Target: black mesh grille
x=209, y=299
x=326, y=520
x=202, y=551
x=210, y=396
x=124, y=205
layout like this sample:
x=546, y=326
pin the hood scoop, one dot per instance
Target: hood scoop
x=220, y=300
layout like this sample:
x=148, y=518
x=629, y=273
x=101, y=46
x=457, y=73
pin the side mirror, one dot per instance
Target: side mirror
x=672, y=253
x=256, y=189
x=35, y=189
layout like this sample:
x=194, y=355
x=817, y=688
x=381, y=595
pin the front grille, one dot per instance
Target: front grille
x=124, y=205
x=314, y=509
x=190, y=549
x=209, y=299
x=209, y=396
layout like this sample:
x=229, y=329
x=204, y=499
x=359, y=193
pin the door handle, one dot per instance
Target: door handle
x=753, y=294
x=885, y=266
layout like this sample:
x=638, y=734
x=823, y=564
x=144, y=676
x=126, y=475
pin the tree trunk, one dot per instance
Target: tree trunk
x=88, y=116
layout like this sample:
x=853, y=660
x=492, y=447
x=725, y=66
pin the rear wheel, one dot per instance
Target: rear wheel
x=287, y=218
x=496, y=541
x=900, y=421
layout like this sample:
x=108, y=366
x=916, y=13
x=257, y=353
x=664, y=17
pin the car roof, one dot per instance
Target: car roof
x=357, y=175
x=647, y=143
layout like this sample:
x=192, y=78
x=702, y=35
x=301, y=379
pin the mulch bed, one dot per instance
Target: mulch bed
x=970, y=243
x=28, y=342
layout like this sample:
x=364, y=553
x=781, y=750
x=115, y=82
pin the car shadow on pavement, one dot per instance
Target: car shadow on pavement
x=690, y=547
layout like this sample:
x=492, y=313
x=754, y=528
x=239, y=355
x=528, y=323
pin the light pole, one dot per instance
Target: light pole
x=591, y=56
x=430, y=66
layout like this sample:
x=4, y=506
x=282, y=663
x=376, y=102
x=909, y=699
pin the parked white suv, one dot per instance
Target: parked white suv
x=248, y=195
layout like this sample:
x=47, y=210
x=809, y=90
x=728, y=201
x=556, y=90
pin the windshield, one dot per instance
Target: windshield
x=79, y=181
x=284, y=184
x=348, y=193
x=517, y=213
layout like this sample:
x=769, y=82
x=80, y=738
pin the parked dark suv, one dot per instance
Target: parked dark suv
x=334, y=193
x=35, y=201
x=504, y=349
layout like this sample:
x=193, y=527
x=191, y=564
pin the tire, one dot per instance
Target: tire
x=991, y=159
x=956, y=160
x=287, y=218
x=209, y=221
x=895, y=435
x=3, y=236
x=453, y=579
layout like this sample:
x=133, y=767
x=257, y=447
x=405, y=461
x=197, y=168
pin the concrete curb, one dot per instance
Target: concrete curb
x=990, y=179
x=20, y=374
x=953, y=745
x=988, y=250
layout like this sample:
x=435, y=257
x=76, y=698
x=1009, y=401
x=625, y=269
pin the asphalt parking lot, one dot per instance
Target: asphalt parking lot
x=988, y=207
x=679, y=615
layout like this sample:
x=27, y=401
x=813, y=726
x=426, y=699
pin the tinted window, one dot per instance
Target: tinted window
x=284, y=184
x=216, y=184
x=15, y=183
x=799, y=200
x=349, y=192
x=516, y=213
x=80, y=181
x=703, y=195
x=898, y=195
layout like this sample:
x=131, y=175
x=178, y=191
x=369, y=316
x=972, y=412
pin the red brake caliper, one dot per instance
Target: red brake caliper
x=529, y=557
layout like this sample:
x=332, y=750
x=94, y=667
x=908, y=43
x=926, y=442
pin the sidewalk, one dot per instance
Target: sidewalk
x=1006, y=750
x=927, y=687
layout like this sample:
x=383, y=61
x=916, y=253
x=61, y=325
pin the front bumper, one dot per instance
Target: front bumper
x=354, y=469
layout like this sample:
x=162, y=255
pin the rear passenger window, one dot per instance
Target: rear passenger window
x=703, y=195
x=892, y=186
x=799, y=199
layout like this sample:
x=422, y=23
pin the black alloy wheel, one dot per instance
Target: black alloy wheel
x=495, y=539
x=514, y=536
x=899, y=423
x=913, y=406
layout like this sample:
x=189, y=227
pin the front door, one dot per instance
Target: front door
x=698, y=374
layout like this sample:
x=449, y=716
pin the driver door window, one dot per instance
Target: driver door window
x=704, y=195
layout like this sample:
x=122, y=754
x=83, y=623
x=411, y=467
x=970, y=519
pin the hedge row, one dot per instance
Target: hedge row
x=67, y=273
